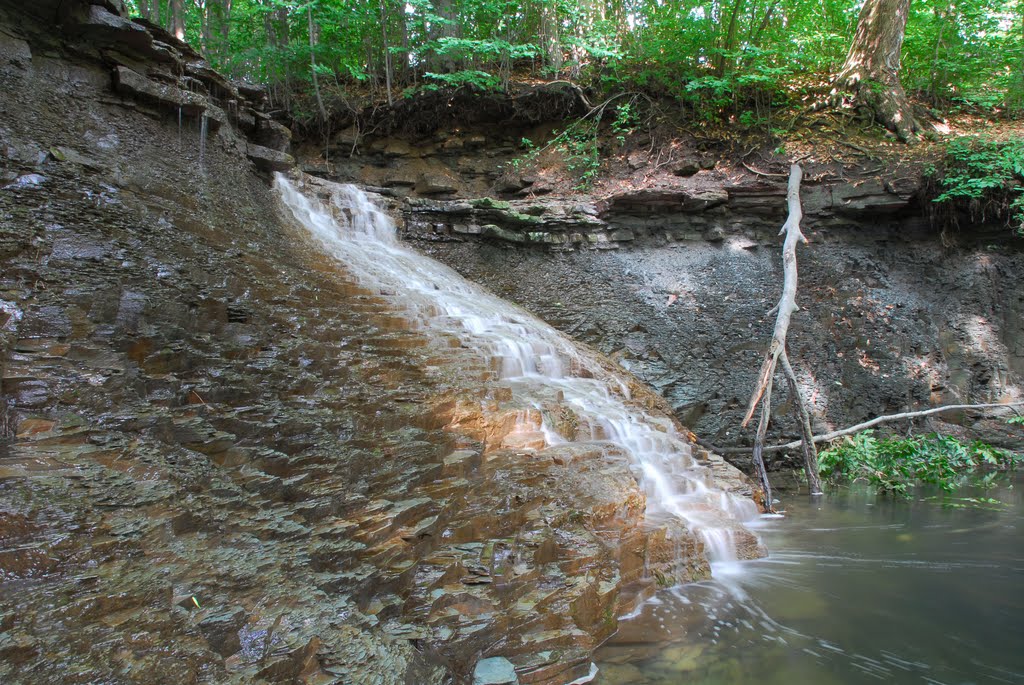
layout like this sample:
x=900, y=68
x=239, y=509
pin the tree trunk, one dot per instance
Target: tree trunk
x=312, y=65
x=777, y=351
x=205, y=32
x=723, y=61
x=224, y=30
x=871, y=70
x=178, y=19
x=387, y=52
x=550, y=38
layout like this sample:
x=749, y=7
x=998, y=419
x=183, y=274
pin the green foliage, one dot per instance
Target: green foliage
x=473, y=78
x=968, y=54
x=986, y=177
x=1016, y=421
x=894, y=464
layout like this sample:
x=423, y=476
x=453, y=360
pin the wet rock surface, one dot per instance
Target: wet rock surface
x=222, y=460
x=890, y=320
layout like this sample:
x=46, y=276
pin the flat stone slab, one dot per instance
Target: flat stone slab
x=496, y=670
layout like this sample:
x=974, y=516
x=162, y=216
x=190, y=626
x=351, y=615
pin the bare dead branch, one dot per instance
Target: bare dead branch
x=888, y=418
x=777, y=349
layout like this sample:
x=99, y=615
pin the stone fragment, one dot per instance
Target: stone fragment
x=266, y=159
x=435, y=183
x=221, y=630
x=705, y=199
x=14, y=51
x=687, y=166
x=496, y=670
x=129, y=82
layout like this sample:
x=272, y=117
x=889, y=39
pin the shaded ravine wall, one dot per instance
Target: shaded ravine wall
x=222, y=460
x=677, y=285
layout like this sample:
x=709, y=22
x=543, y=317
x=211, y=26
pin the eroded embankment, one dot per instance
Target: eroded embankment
x=677, y=283
x=224, y=460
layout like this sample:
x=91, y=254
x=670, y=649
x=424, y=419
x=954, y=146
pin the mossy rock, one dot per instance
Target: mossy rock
x=489, y=203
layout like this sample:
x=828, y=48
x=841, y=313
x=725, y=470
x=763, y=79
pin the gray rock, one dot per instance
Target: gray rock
x=496, y=670
x=221, y=630
x=267, y=159
x=129, y=82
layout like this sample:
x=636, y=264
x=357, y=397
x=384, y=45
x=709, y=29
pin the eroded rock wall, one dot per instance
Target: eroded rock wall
x=222, y=460
x=677, y=286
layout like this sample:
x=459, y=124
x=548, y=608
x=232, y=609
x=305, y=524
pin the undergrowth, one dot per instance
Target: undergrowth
x=579, y=143
x=895, y=464
x=982, y=178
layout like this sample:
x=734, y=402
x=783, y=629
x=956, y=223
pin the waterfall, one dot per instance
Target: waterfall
x=536, y=361
x=204, y=127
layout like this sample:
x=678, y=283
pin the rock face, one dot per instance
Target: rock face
x=660, y=216
x=222, y=460
x=155, y=72
x=890, y=318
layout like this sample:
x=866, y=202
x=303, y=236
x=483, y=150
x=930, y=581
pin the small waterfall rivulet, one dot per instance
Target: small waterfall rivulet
x=538, y=362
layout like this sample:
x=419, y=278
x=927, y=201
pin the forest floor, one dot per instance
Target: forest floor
x=829, y=146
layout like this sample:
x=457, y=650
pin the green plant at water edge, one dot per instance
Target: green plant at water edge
x=1016, y=421
x=894, y=464
x=984, y=177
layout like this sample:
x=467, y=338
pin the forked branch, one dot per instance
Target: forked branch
x=777, y=351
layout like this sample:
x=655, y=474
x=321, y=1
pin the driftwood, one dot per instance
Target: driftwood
x=829, y=437
x=777, y=352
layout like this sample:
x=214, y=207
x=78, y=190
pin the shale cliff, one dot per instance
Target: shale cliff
x=224, y=460
x=671, y=267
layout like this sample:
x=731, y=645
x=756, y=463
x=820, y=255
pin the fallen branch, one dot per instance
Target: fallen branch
x=829, y=437
x=761, y=173
x=777, y=351
x=572, y=86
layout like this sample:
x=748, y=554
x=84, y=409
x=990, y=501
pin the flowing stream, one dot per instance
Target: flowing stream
x=537, y=362
x=858, y=589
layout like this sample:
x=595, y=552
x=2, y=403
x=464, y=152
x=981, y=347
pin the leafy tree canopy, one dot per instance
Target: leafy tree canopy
x=709, y=53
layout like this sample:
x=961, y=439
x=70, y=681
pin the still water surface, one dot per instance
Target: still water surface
x=858, y=589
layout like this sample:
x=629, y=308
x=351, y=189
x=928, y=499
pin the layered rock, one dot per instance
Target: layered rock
x=662, y=215
x=223, y=460
x=154, y=71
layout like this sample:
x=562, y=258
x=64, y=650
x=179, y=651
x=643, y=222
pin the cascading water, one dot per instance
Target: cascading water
x=539, y=363
x=204, y=127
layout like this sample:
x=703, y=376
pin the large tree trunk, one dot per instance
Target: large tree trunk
x=312, y=65
x=551, y=39
x=178, y=19
x=386, y=46
x=871, y=72
x=723, y=61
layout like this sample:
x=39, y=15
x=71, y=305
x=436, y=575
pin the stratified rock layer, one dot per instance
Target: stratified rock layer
x=225, y=462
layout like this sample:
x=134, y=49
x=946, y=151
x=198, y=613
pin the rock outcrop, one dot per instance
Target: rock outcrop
x=222, y=459
x=152, y=70
x=661, y=215
x=891, y=319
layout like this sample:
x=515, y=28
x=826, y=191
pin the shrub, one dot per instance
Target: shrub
x=894, y=464
x=985, y=177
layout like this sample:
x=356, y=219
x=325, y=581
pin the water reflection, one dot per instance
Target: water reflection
x=857, y=590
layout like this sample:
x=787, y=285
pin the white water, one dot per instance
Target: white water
x=539, y=363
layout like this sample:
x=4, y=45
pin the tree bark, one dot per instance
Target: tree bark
x=312, y=65
x=871, y=71
x=777, y=350
x=723, y=61
x=387, y=52
x=550, y=37
x=178, y=19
